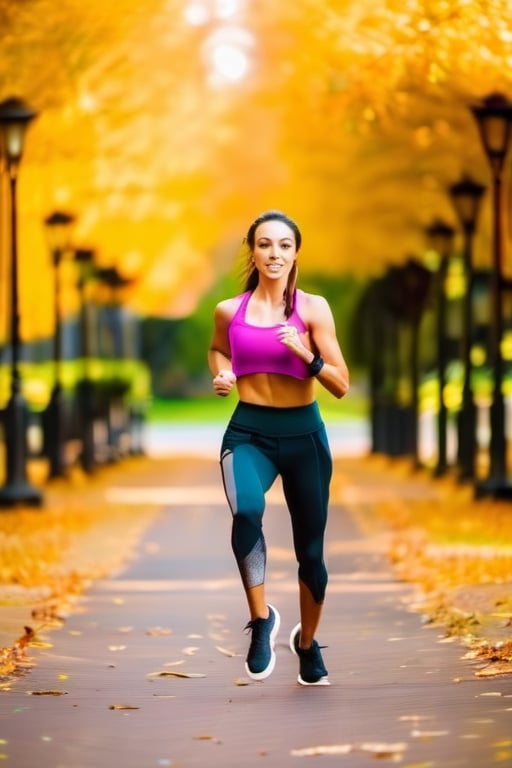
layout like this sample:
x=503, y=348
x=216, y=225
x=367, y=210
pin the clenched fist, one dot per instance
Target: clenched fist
x=224, y=382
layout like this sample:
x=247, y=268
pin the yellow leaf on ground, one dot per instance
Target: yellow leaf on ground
x=226, y=651
x=122, y=706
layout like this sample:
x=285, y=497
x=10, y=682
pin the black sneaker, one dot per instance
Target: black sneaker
x=312, y=668
x=261, y=658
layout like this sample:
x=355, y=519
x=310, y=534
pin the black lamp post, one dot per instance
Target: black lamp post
x=440, y=236
x=58, y=228
x=466, y=196
x=494, y=120
x=414, y=286
x=15, y=116
x=84, y=258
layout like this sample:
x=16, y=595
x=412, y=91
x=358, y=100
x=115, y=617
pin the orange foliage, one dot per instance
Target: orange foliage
x=352, y=116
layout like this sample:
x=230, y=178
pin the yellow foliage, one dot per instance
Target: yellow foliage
x=351, y=116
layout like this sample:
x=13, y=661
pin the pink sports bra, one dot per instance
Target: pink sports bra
x=257, y=349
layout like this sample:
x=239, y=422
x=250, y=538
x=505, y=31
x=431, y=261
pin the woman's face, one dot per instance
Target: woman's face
x=274, y=250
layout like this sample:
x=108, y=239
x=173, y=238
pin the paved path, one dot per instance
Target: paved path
x=350, y=437
x=398, y=692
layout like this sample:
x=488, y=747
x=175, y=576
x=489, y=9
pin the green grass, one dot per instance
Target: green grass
x=214, y=408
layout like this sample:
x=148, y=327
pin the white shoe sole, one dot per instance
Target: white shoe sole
x=292, y=637
x=322, y=681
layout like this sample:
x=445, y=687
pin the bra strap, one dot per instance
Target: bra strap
x=240, y=312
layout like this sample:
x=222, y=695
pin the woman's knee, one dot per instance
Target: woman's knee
x=309, y=552
x=313, y=573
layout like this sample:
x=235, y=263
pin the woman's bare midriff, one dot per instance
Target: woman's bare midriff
x=275, y=390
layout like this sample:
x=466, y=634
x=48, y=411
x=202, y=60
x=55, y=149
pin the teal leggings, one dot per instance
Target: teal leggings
x=260, y=443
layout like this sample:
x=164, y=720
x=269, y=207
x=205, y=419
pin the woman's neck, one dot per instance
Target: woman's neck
x=270, y=292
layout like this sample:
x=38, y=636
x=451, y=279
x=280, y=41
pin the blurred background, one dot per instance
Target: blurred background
x=151, y=134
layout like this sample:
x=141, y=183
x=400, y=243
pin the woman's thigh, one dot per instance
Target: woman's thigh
x=247, y=474
x=306, y=479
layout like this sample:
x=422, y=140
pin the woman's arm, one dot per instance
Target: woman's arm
x=334, y=374
x=219, y=353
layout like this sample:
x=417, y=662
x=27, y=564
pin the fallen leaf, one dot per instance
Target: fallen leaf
x=242, y=681
x=495, y=669
x=226, y=651
x=172, y=673
x=117, y=647
x=378, y=750
x=27, y=637
x=122, y=706
x=191, y=650
x=384, y=751
x=46, y=693
x=323, y=749
x=158, y=632
x=417, y=734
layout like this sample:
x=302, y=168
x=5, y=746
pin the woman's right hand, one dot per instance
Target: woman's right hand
x=224, y=382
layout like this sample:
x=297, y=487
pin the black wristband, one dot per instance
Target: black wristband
x=316, y=365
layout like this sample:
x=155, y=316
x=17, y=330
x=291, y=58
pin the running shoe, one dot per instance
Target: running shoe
x=261, y=658
x=312, y=668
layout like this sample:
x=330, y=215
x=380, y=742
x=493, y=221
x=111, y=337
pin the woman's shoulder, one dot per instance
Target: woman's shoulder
x=227, y=307
x=310, y=302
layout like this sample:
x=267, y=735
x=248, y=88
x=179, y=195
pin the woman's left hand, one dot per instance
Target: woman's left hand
x=291, y=338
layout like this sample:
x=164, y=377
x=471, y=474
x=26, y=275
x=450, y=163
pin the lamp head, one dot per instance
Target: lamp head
x=466, y=196
x=15, y=116
x=58, y=226
x=440, y=235
x=494, y=119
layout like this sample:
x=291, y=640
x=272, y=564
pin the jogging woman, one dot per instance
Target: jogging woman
x=272, y=343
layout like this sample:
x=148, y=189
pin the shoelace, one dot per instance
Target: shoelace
x=250, y=625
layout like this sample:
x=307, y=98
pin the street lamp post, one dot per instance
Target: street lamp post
x=466, y=196
x=58, y=225
x=15, y=116
x=116, y=412
x=84, y=257
x=414, y=285
x=440, y=236
x=494, y=120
